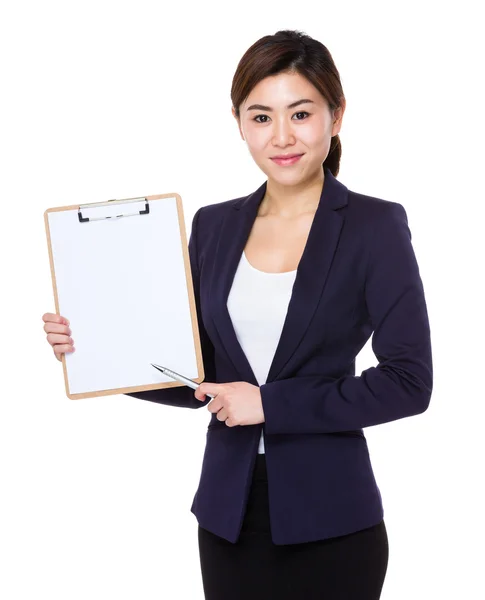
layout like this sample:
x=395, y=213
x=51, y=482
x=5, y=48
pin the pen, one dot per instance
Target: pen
x=193, y=384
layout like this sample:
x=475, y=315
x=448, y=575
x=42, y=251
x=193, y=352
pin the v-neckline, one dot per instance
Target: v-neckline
x=310, y=278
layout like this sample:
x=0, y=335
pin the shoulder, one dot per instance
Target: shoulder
x=372, y=208
x=219, y=208
x=368, y=214
x=213, y=214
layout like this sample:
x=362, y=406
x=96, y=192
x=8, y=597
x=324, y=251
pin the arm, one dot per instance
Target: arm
x=400, y=386
x=183, y=396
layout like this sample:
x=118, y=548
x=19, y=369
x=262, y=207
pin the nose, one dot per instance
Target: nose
x=283, y=132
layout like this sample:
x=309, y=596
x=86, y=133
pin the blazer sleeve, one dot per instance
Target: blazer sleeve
x=183, y=396
x=401, y=384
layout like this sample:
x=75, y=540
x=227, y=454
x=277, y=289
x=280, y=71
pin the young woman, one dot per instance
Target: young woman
x=290, y=283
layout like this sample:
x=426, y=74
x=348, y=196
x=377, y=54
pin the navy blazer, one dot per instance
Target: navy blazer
x=358, y=276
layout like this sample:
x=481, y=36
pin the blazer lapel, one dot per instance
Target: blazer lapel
x=311, y=274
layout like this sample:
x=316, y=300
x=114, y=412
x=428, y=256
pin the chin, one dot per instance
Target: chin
x=290, y=180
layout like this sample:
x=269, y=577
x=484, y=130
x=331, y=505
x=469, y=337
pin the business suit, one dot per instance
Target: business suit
x=358, y=275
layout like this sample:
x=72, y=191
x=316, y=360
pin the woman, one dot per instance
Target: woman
x=290, y=283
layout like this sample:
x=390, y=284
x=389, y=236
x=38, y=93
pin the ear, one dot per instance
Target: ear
x=233, y=110
x=338, y=116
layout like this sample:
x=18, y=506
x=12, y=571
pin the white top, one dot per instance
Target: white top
x=257, y=304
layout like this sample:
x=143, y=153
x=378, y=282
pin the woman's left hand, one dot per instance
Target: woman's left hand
x=236, y=403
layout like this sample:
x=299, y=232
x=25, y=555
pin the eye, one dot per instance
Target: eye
x=302, y=112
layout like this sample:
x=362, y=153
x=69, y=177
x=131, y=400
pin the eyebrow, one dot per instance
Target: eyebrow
x=268, y=108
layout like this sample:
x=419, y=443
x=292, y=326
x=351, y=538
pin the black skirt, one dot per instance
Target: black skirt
x=348, y=567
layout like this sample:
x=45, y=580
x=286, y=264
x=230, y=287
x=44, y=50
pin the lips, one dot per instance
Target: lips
x=286, y=156
x=291, y=159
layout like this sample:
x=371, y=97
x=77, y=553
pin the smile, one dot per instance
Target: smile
x=287, y=161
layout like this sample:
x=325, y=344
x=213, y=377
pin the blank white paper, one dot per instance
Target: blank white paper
x=121, y=283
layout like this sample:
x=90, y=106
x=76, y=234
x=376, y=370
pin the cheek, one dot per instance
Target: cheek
x=258, y=149
x=257, y=139
x=313, y=137
x=315, y=132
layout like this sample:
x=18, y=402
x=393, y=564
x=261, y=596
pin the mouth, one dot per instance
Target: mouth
x=289, y=159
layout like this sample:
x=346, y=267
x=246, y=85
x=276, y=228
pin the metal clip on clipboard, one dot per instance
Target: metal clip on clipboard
x=129, y=200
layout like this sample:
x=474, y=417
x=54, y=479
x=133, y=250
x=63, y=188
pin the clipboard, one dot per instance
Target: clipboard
x=121, y=274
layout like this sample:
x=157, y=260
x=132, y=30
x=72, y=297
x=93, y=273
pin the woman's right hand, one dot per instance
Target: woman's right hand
x=58, y=334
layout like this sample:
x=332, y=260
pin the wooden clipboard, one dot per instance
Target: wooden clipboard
x=121, y=274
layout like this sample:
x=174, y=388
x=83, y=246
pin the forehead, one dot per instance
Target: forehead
x=283, y=88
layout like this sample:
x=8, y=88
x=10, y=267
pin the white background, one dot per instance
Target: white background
x=118, y=99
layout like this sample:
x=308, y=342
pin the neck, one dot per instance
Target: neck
x=292, y=200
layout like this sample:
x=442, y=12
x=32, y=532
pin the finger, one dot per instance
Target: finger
x=60, y=349
x=204, y=389
x=51, y=327
x=59, y=338
x=54, y=318
x=211, y=388
x=215, y=404
x=222, y=415
x=198, y=394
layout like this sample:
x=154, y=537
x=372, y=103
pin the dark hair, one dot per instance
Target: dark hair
x=291, y=51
